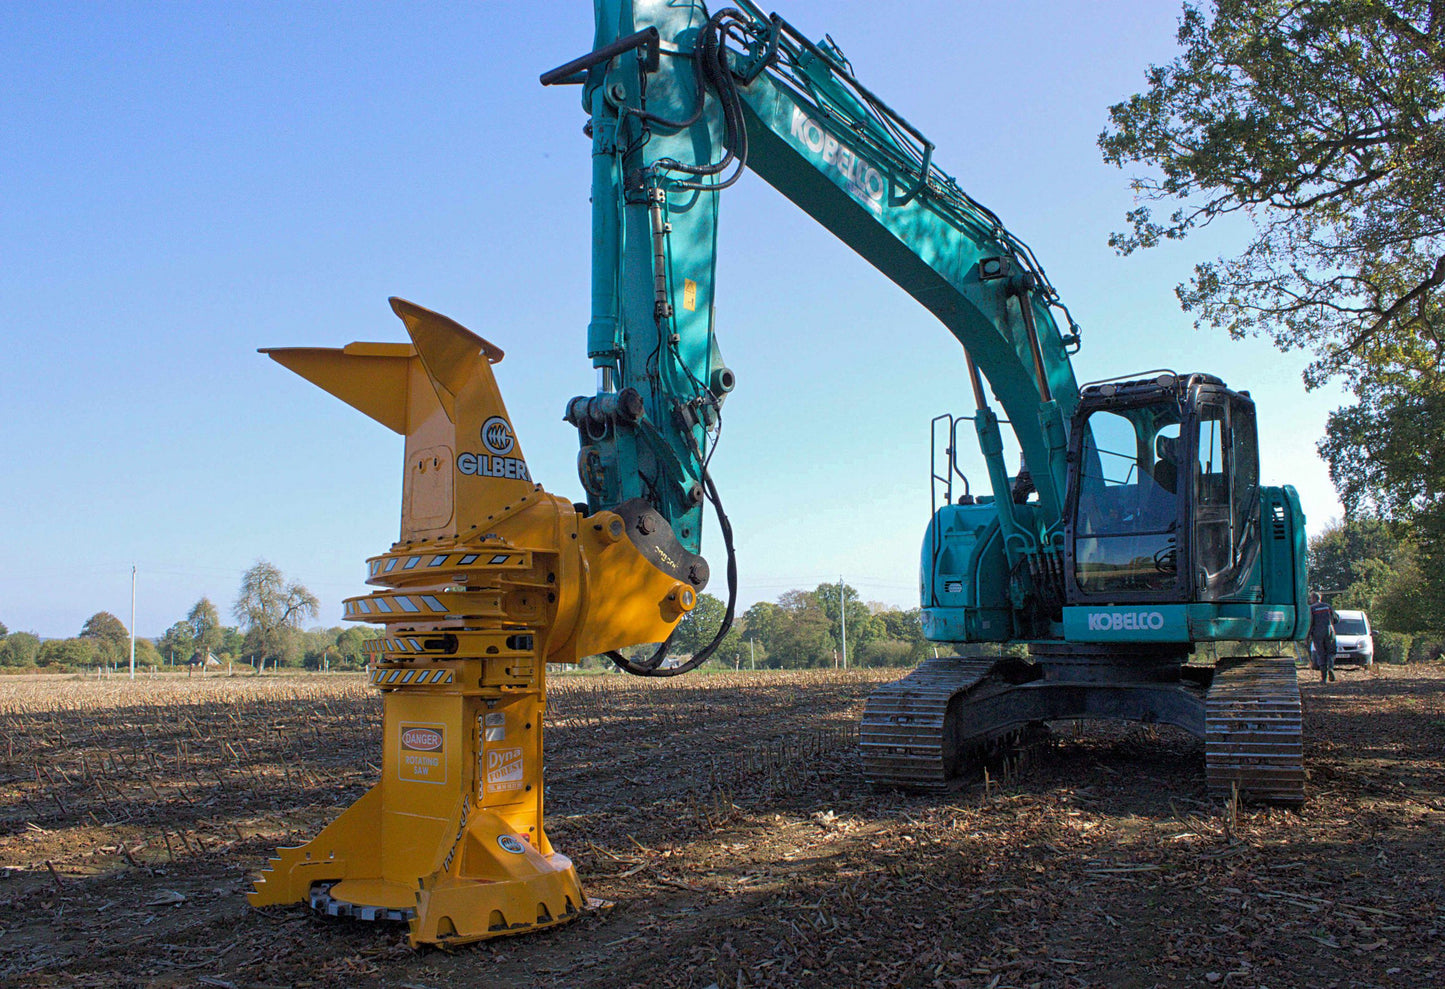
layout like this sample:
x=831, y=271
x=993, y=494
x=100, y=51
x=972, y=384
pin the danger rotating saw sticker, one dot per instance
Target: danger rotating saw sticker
x=422, y=757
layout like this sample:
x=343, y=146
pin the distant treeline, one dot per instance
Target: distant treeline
x=105, y=642
x=1379, y=567
x=269, y=611
x=801, y=630
x=1367, y=564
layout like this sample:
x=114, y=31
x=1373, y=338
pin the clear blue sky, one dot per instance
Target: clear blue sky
x=183, y=183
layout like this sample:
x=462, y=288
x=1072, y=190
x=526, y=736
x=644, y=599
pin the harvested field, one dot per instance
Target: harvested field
x=725, y=819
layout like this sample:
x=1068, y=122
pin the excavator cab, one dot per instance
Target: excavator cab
x=1164, y=501
x=1169, y=540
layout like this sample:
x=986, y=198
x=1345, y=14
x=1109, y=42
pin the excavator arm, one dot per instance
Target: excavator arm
x=679, y=103
x=1148, y=530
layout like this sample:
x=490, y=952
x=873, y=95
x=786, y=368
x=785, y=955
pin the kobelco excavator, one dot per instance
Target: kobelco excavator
x=1134, y=527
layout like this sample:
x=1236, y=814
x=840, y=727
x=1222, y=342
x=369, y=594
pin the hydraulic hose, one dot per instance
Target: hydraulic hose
x=651, y=666
x=712, y=68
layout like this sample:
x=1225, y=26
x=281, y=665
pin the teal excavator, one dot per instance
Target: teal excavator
x=1135, y=526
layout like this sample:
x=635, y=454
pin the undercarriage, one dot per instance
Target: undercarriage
x=951, y=713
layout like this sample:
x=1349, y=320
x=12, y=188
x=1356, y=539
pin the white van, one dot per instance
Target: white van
x=1353, y=643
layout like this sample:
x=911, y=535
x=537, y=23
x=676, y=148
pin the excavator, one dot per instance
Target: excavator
x=1133, y=529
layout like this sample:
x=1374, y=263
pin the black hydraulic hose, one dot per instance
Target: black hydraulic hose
x=704, y=70
x=649, y=667
x=712, y=66
x=700, y=93
x=738, y=137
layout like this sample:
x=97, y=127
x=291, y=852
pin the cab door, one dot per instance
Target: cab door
x=1225, y=494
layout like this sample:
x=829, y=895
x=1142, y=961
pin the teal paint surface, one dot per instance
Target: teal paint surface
x=820, y=140
x=1182, y=623
x=964, y=577
x=668, y=356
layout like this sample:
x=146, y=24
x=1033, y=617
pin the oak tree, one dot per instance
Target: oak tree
x=270, y=610
x=1321, y=121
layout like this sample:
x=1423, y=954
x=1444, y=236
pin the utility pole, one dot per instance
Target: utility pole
x=752, y=656
x=132, y=621
x=843, y=619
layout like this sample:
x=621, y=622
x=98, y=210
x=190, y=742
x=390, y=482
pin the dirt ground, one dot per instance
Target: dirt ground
x=725, y=819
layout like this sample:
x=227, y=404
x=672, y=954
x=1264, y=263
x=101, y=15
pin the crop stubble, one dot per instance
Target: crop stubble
x=725, y=818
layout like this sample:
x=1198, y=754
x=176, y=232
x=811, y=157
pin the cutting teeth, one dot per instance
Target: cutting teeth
x=322, y=902
x=259, y=883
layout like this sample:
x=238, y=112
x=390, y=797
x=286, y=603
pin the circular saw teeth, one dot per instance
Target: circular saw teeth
x=322, y=902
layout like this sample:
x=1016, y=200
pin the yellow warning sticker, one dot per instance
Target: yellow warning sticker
x=689, y=295
x=423, y=753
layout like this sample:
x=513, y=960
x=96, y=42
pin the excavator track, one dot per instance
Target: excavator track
x=905, y=738
x=1249, y=718
x=1252, y=733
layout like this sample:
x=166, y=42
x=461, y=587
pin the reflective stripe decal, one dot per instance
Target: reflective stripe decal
x=391, y=678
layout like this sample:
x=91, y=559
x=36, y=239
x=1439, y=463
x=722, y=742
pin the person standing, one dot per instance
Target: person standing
x=1322, y=636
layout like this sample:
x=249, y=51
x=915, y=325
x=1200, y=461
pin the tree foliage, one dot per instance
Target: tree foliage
x=205, y=625
x=801, y=629
x=1322, y=121
x=349, y=644
x=146, y=654
x=840, y=599
x=108, y=637
x=699, y=627
x=804, y=634
x=270, y=610
x=233, y=643
x=71, y=653
x=1387, y=460
x=1368, y=564
x=762, y=621
x=178, y=643
x=105, y=627
x=19, y=649
x=1338, y=554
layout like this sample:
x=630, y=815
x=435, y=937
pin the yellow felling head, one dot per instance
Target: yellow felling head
x=439, y=392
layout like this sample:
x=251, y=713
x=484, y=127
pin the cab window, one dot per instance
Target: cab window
x=1126, y=518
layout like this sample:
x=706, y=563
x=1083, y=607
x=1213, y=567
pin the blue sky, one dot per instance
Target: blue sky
x=181, y=184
